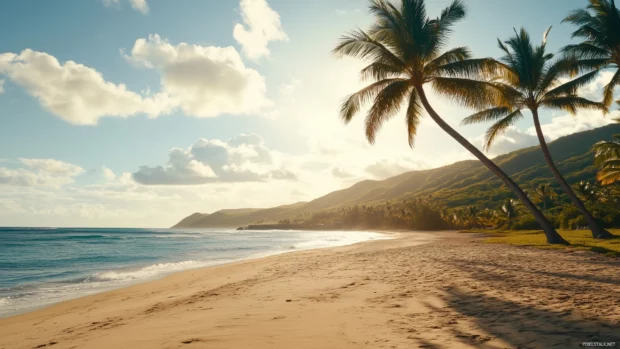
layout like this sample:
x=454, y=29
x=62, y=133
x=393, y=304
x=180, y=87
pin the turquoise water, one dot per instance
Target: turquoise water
x=41, y=266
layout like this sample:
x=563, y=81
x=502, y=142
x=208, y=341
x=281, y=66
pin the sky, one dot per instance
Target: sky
x=137, y=113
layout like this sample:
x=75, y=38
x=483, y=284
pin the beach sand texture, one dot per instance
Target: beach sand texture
x=422, y=290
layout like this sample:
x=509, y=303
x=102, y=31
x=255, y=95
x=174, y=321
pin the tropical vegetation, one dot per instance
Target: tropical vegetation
x=607, y=154
x=528, y=78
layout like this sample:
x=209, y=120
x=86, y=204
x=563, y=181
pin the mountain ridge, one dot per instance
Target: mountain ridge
x=462, y=183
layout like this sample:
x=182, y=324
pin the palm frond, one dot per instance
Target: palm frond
x=360, y=45
x=354, y=102
x=608, y=91
x=608, y=176
x=480, y=68
x=470, y=93
x=571, y=87
x=414, y=112
x=440, y=27
x=386, y=104
x=487, y=115
x=500, y=127
x=586, y=50
x=572, y=103
x=455, y=55
x=379, y=71
x=607, y=157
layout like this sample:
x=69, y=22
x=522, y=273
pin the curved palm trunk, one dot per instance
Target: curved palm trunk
x=598, y=232
x=552, y=235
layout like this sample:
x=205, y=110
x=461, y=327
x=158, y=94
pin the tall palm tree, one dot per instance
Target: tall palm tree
x=509, y=207
x=405, y=51
x=529, y=79
x=607, y=157
x=544, y=191
x=599, y=27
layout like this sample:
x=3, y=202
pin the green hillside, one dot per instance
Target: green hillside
x=460, y=184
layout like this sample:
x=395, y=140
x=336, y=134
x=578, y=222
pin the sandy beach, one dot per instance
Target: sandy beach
x=419, y=290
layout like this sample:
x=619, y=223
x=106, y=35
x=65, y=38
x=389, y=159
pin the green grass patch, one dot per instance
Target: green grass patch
x=578, y=239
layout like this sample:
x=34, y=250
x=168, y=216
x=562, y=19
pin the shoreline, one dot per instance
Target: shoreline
x=423, y=289
x=163, y=275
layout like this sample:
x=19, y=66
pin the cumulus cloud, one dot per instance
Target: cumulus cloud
x=40, y=172
x=564, y=125
x=205, y=81
x=139, y=5
x=559, y=126
x=74, y=92
x=261, y=24
x=243, y=158
x=108, y=174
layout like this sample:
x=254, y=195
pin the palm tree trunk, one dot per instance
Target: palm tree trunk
x=598, y=232
x=552, y=235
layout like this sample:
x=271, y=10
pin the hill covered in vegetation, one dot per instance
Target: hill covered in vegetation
x=451, y=190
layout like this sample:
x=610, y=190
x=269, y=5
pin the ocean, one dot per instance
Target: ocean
x=43, y=266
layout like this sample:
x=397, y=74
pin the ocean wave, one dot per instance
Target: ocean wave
x=143, y=273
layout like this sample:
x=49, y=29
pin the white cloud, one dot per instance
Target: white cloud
x=74, y=92
x=243, y=158
x=109, y=3
x=40, y=172
x=2, y=86
x=594, y=90
x=559, y=126
x=512, y=139
x=261, y=25
x=564, y=125
x=52, y=166
x=108, y=174
x=205, y=81
x=140, y=6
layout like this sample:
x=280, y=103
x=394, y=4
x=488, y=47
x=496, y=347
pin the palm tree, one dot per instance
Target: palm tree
x=607, y=157
x=529, y=78
x=586, y=191
x=471, y=213
x=509, y=207
x=405, y=51
x=544, y=191
x=599, y=27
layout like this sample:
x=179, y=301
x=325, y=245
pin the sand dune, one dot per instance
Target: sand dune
x=423, y=290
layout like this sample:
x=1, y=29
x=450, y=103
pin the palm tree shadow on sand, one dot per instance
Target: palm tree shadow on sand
x=519, y=325
x=480, y=320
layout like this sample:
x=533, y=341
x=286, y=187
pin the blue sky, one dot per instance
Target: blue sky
x=282, y=87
